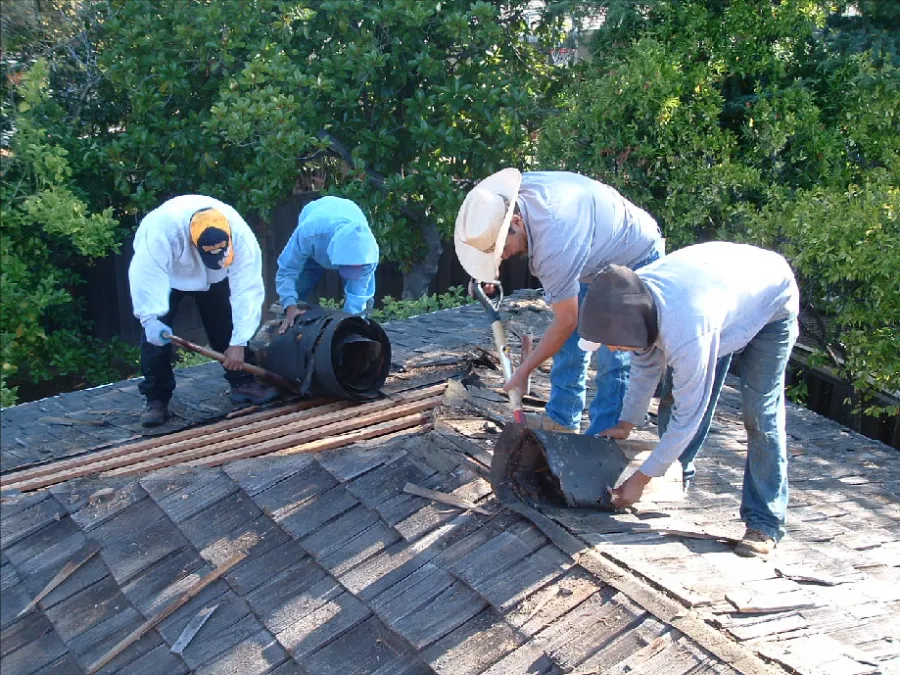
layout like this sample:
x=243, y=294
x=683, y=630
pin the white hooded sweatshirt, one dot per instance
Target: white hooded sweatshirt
x=165, y=258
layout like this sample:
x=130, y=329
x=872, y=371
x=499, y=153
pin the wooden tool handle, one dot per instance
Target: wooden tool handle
x=282, y=382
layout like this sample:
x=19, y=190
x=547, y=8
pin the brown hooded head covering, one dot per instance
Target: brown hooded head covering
x=618, y=310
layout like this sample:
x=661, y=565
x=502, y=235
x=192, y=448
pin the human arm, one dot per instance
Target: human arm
x=358, y=293
x=148, y=279
x=693, y=373
x=290, y=266
x=561, y=328
x=247, y=290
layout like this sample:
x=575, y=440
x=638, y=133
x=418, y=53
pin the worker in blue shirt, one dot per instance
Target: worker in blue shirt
x=332, y=233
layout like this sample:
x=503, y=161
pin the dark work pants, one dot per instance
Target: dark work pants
x=214, y=306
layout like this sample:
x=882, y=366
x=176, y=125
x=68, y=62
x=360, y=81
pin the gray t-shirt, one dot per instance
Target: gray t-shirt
x=711, y=300
x=576, y=226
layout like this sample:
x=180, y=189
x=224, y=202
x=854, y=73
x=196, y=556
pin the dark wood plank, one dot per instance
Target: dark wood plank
x=474, y=646
x=416, y=590
x=164, y=581
x=86, y=609
x=36, y=656
x=590, y=630
x=185, y=493
x=254, y=656
x=512, y=585
x=491, y=558
x=366, y=648
x=360, y=548
x=299, y=589
x=443, y=614
x=285, y=496
x=101, y=505
x=211, y=641
x=137, y=538
x=157, y=661
x=312, y=631
x=260, y=568
x=17, y=522
x=385, y=482
x=338, y=532
x=398, y=561
x=618, y=651
x=28, y=551
x=546, y=606
x=223, y=517
x=315, y=512
x=94, y=643
x=38, y=570
x=260, y=473
x=351, y=461
x=255, y=538
x=32, y=626
x=12, y=601
x=428, y=518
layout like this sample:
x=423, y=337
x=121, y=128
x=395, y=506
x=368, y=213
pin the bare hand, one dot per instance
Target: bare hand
x=621, y=431
x=519, y=380
x=489, y=289
x=234, y=358
x=290, y=316
x=630, y=491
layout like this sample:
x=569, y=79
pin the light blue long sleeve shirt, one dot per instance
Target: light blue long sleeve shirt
x=334, y=233
x=711, y=300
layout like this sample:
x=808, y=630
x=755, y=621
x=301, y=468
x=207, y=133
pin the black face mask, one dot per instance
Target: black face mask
x=618, y=310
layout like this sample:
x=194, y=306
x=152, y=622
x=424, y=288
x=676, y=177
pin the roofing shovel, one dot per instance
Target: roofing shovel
x=547, y=468
x=492, y=307
x=262, y=373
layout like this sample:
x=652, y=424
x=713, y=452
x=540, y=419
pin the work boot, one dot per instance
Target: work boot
x=545, y=423
x=754, y=544
x=253, y=393
x=155, y=413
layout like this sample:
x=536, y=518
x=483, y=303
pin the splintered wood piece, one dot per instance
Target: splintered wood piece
x=695, y=535
x=167, y=611
x=68, y=570
x=443, y=498
x=746, y=602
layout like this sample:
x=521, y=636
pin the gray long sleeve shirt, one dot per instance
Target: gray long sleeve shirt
x=576, y=226
x=711, y=299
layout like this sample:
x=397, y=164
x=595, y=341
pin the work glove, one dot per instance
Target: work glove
x=154, y=329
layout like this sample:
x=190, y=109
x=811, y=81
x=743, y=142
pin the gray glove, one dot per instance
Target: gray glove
x=154, y=329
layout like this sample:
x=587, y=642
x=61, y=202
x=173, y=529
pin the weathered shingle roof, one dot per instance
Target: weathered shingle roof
x=347, y=573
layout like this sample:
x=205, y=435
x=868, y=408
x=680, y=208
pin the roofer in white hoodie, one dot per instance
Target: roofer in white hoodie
x=196, y=246
x=691, y=312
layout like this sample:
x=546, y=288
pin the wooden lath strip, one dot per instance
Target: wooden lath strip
x=170, y=439
x=373, y=417
x=331, y=423
x=420, y=419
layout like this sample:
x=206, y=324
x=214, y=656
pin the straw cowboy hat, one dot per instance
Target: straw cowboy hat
x=482, y=224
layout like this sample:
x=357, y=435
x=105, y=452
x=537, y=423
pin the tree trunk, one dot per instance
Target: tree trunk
x=417, y=281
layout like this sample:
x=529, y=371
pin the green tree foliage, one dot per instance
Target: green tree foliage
x=409, y=99
x=47, y=231
x=774, y=123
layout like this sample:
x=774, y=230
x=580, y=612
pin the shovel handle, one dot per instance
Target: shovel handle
x=282, y=382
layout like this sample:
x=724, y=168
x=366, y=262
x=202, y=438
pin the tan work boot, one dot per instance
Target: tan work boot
x=754, y=544
x=544, y=423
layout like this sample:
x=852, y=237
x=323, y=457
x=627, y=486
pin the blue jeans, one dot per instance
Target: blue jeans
x=568, y=378
x=762, y=363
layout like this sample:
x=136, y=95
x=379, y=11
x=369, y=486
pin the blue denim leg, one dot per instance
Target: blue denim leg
x=308, y=280
x=613, y=369
x=568, y=380
x=764, y=498
x=664, y=414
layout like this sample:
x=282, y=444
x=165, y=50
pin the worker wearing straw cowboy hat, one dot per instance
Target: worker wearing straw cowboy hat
x=570, y=227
